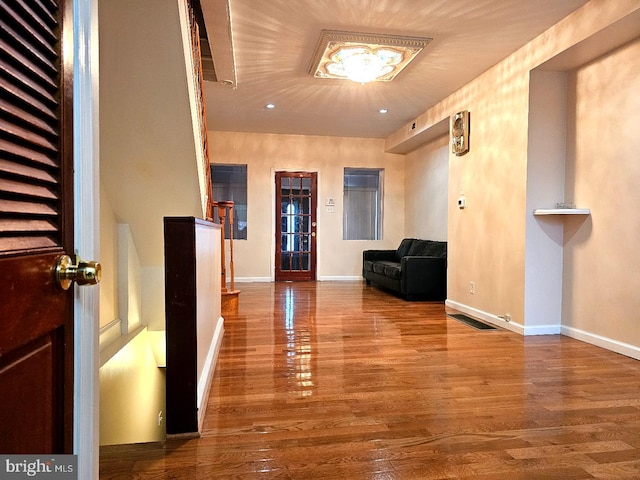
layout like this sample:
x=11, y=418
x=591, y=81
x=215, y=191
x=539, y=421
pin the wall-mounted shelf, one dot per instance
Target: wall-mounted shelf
x=562, y=211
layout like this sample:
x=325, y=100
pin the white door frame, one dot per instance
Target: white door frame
x=86, y=234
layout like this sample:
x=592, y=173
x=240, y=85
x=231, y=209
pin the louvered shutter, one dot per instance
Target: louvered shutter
x=30, y=164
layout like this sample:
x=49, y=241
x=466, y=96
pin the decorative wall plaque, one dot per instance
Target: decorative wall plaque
x=460, y=133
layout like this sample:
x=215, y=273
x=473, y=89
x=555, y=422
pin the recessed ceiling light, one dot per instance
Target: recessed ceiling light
x=270, y=106
x=383, y=110
x=363, y=57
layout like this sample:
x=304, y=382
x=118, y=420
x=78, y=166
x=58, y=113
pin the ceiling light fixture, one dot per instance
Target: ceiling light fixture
x=270, y=106
x=363, y=57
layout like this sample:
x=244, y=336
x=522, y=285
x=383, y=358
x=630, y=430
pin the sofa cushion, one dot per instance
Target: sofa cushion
x=404, y=247
x=378, y=267
x=436, y=249
x=419, y=247
x=392, y=270
x=388, y=269
x=367, y=266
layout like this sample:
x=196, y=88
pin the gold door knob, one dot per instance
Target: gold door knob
x=83, y=272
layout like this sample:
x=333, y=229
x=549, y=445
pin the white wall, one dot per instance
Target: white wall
x=209, y=322
x=129, y=281
x=545, y=188
x=265, y=154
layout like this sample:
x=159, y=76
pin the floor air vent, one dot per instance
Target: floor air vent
x=472, y=322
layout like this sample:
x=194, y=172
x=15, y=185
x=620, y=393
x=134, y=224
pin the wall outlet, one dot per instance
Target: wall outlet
x=472, y=288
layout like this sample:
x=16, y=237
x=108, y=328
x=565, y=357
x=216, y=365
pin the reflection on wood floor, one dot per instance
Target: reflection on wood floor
x=337, y=380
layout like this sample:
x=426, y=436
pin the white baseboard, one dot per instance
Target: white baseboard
x=320, y=279
x=339, y=279
x=603, y=342
x=207, y=371
x=500, y=322
x=543, y=330
x=487, y=317
x=622, y=348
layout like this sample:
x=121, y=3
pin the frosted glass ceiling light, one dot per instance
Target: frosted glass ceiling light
x=364, y=67
x=363, y=57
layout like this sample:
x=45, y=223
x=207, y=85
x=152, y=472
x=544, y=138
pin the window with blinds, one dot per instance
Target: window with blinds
x=362, y=207
x=30, y=125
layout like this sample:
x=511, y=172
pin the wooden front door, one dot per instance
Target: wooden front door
x=36, y=228
x=295, y=226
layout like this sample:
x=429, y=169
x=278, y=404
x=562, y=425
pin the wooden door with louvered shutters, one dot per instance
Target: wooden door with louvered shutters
x=36, y=326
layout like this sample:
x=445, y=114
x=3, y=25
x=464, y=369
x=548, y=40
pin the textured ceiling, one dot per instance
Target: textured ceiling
x=274, y=41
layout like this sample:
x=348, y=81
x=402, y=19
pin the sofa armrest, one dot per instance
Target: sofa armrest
x=373, y=255
x=424, y=275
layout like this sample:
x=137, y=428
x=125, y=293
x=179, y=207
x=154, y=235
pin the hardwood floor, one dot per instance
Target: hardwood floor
x=337, y=380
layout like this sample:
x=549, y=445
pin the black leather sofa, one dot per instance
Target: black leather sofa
x=417, y=269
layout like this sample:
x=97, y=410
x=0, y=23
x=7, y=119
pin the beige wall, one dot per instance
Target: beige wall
x=148, y=146
x=149, y=169
x=426, y=190
x=148, y=163
x=601, y=255
x=132, y=395
x=265, y=154
x=487, y=239
x=121, y=283
x=109, y=262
